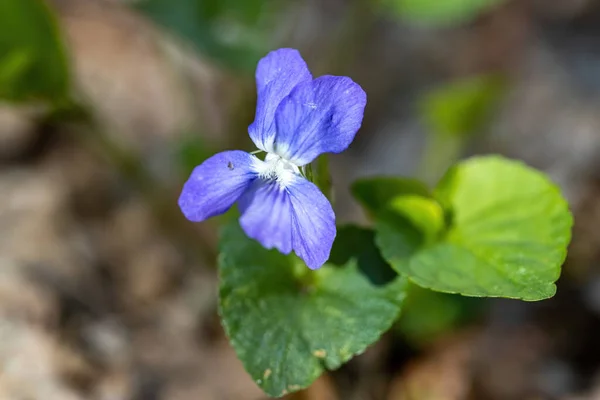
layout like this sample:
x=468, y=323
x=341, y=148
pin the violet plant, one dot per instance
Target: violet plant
x=297, y=119
x=492, y=227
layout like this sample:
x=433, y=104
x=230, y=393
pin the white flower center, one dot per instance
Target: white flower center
x=276, y=168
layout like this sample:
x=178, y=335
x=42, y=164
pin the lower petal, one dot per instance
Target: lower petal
x=313, y=223
x=267, y=215
x=216, y=184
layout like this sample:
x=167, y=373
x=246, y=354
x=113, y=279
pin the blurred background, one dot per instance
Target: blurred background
x=108, y=293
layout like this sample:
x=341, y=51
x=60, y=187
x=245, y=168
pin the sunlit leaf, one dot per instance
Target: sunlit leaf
x=508, y=236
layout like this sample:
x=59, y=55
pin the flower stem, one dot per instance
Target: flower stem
x=308, y=172
x=322, y=177
x=306, y=279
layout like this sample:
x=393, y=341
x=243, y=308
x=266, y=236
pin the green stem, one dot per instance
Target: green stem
x=322, y=177
x=308, y=172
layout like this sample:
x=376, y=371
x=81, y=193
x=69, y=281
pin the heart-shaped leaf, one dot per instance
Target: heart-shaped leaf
x=287, y=323
x=508, y=235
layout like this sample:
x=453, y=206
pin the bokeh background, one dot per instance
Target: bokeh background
x=108, y=293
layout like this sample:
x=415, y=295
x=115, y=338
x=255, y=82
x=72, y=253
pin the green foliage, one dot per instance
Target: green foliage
x=288, y=324
x=506, y=231
x=428, y=315
x=440, y=12
x=463, y=107
x=453, y=113
x=354, y=242
x=374, y=194
x=33, y=64
x=423, y=213
x=322, y=176
x=232, y=32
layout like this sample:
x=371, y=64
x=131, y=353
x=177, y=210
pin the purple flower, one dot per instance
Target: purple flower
x=297, y=119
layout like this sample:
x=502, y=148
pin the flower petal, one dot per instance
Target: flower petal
x=321, y=116
x=267, y=215
x=276, y=75
x=295, y=217
x=313, y=223
x=216, y=184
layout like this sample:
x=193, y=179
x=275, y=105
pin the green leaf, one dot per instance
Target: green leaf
x=441, y=12
x=424, y=214
x=322, y=175
x=398, y=238
x=33, y=64
x=429, y=315
x=406, y=225
x=508, y=236
x=287, y=323
x=354, y=242
x=375, y=194
x=463, y=107
x=12, y=68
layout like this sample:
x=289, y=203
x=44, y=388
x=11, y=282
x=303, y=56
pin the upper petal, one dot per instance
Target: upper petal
x=313, y=223
x=216, y=184
x=267, y=215
x=276, y=75
x=321, y=116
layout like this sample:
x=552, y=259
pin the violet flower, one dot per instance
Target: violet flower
x=297, y=119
